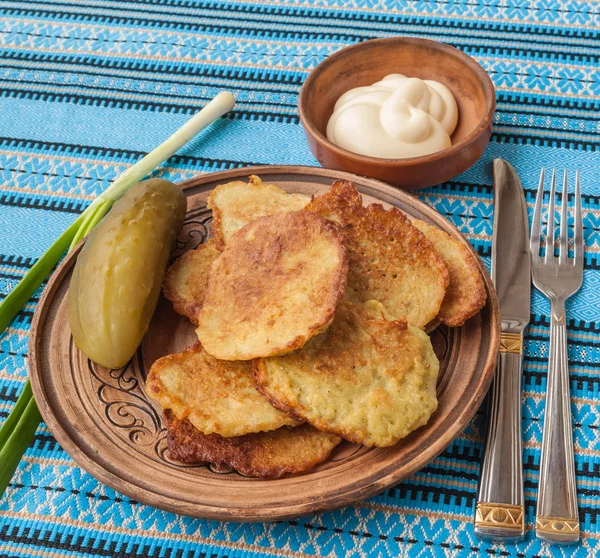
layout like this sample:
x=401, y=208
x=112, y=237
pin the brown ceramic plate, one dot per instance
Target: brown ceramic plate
x=104, y=420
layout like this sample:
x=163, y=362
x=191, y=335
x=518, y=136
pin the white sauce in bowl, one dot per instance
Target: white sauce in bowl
x=395, y=118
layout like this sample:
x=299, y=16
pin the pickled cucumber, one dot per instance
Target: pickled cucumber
x=118, y=275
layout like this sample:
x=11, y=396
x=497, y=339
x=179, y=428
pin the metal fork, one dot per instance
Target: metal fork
x=557, y=518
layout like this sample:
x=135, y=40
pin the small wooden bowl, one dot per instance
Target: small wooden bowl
x=368, y=62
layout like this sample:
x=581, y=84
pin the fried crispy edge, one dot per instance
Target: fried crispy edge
x=241, y=461
x=285, y=405
x=167, y=401
x=259, y=371
x=216, y=212
x=299, y=341
x=346, y=194
x=477, y=301
x=190, y=310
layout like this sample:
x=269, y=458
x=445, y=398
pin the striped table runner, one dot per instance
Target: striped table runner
x=88, y=86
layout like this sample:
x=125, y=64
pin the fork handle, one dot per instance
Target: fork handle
x=499, y=514
x=557, y=518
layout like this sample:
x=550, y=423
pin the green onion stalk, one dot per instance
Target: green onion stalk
x=20, y=426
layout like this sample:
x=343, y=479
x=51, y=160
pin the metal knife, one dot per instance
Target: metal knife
x=500, y=509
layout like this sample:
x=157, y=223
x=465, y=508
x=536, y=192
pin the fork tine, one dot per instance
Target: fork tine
x=563, y=254
x=550, y=229
x=578, y=224
x=534, y=239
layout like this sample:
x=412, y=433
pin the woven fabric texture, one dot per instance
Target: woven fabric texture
x=88, y=86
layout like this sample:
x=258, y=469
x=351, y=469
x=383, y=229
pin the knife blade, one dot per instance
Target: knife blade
x=499, y=512
x=511, y=261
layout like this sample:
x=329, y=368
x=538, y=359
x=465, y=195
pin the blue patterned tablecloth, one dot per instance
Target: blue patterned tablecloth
x=88, y=86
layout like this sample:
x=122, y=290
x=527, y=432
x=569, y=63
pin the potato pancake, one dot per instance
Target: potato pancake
x=389, y=260
x=238, y=203
x=266, y=454
x=185, y=280
x=366, y=379
x=465, y=294
x=215, y=396
x=275, y=285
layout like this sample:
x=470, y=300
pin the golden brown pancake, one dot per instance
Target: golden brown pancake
x=366, y=379
x=185, y=280
x=389, y=259
x=275, y=285
x=265, y=454
x=465, y=294
x=215, y=396
x=238, y=203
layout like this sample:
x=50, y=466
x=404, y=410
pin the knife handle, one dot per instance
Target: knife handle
x=500, y=509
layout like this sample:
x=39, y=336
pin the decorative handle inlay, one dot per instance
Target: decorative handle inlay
x=502, y=516
x=557, y=526
x=511, y=343
x=557, y=517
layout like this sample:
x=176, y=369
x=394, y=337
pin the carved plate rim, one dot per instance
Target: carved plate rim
x=351, y=490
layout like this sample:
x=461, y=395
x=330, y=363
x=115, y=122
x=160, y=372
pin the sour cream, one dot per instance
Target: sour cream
x=395, y=118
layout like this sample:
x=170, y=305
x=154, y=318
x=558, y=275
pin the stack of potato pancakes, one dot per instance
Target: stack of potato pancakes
x=311, y=318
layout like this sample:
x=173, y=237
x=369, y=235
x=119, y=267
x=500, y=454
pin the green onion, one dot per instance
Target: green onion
x=20, y=426
x=90, y=221
x=13, y=418
x=19, y=438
